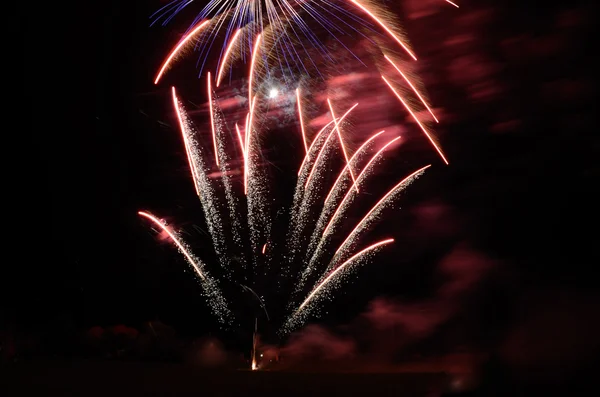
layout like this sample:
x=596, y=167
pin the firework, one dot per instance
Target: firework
x=291, y=27
x=264, y=35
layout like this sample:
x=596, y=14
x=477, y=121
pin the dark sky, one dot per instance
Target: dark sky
x=518, y=88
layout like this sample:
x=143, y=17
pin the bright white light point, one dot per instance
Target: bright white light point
x=273, y=93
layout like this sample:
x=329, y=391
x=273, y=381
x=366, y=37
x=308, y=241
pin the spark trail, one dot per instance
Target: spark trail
x=316, y=253
x=203, y=185
x=209, y=285
x=329, y=281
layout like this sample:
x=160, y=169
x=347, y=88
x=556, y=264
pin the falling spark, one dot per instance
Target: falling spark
x=313, y=144
x=185, y=141
x=216, y=300
x=361, y=176
x=437, y=148
x=226, y=56
x=212, y=119
x=253, y=64
x=264, y=248
x=317, y=241
x=339, y=269
x=339, y=134
x=178, y=47
x=413, y=88
x=385, y=27
x=378, y=206
x=179, y=245
x=352, y=160
x=455, y=5
x=241, y=140
x=336, y=123
x=247, y=151
x=299, y=101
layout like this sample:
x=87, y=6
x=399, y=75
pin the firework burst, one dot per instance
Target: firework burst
x=265, y=34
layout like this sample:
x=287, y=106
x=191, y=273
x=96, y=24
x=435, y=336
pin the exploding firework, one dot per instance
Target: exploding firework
x=298, y=30
x=238, y=204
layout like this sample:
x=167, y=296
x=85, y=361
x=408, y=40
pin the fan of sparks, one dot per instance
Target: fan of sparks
x=267, y=32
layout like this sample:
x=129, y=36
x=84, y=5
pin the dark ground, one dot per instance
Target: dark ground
x=143, y=379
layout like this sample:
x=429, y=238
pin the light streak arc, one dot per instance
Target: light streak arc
x=176, y=241
x=226, y=56
x=354, y=157
x=340, y=268
x=339, y=134
x=178, y=47
x=324, y=145
x=360, y=178
x=185, y=141
x=385, y=27
x=435, y=145
x=378, y=205
x=212, y=119
x=316, y=138
x=298, y=100
x=253, y=64
x=413, y=88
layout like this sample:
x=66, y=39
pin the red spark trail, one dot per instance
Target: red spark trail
x=178, y=47
x=340, y=268
x=360, y=176
x=212, y=119
x=384, y=26
x=247, y=151
x=354, y=156
x=301, y=120
x=324, y=145
x=379, y=203
x=417, y=120
x=176, y=241
x=413, y=88
x=339, y=134
x=185, y=141
x=252, y=64
x=316, y=138
x=226, y=55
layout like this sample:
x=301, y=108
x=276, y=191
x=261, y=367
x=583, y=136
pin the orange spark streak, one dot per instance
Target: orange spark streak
x=247, y=151
x=413, y=88
x=384, y=26
x=312, y=145
x=340, y=268
x=354, y=156
x=380, y=202
x=455, y=5
x=252, y=64
x=339, y=134
x=325, y=144
x=417, y=120
x=264, y=248
x=301, y=121
x=212, y=120
x=226, y=55
x=178, y=47
x=360, y=177
x=185, y=141
x=175, y=240
x=240, y=139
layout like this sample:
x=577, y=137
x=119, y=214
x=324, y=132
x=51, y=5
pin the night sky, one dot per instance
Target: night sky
x=517, y=88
